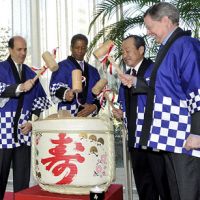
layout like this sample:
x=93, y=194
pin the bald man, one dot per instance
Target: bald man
x=20, y=98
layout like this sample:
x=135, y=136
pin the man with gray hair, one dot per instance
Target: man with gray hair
x=172, y=114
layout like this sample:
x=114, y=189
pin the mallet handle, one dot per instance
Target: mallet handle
x=119, y=71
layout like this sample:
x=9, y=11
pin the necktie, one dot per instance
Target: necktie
x=19, y=68
x=133, y=72
x=82, y=65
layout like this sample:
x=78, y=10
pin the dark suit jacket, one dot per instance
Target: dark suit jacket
x=131, y=103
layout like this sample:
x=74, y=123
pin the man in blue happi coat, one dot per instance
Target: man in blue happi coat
x=84, y=103
x=148, y=165
x=172, y=112
x=20, y=98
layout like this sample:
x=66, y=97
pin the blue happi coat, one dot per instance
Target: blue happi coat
x=33, y=101
x=61, y=81
x=176, y=97
x=141, y=103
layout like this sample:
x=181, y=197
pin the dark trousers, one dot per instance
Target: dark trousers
x=150, y=174
x=20, y=158
x=184, y=176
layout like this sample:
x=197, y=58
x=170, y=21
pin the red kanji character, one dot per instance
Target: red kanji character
x=59, y=161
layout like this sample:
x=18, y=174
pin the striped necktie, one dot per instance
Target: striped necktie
x=81, y=63
x=19, y=68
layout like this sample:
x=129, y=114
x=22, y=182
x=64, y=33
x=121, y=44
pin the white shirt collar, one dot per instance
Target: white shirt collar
x=16, y=65
x=136, y=68
x=168, y=36
x=81, y=61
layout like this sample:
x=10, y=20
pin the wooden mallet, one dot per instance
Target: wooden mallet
x=50, y=63
x=103, y=49
x=77, y=81
x=99, y=87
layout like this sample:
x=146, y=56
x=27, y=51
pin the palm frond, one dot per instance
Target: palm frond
x=132, y=16
x=107, y=8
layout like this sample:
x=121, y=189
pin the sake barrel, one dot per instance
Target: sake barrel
x=72, y=155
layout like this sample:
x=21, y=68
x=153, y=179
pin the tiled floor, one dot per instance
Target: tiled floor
x=121, y=180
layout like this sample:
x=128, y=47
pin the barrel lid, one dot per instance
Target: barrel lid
x=72, y=124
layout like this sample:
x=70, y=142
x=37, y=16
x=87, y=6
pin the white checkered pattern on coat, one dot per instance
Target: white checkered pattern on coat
x=171, y=127
x=7, y=122
x=139, y=123
x=6, y=130
x=53, y=90
x=194, y=102
x=73, y=109
x=41, y=103
x=2, y=87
